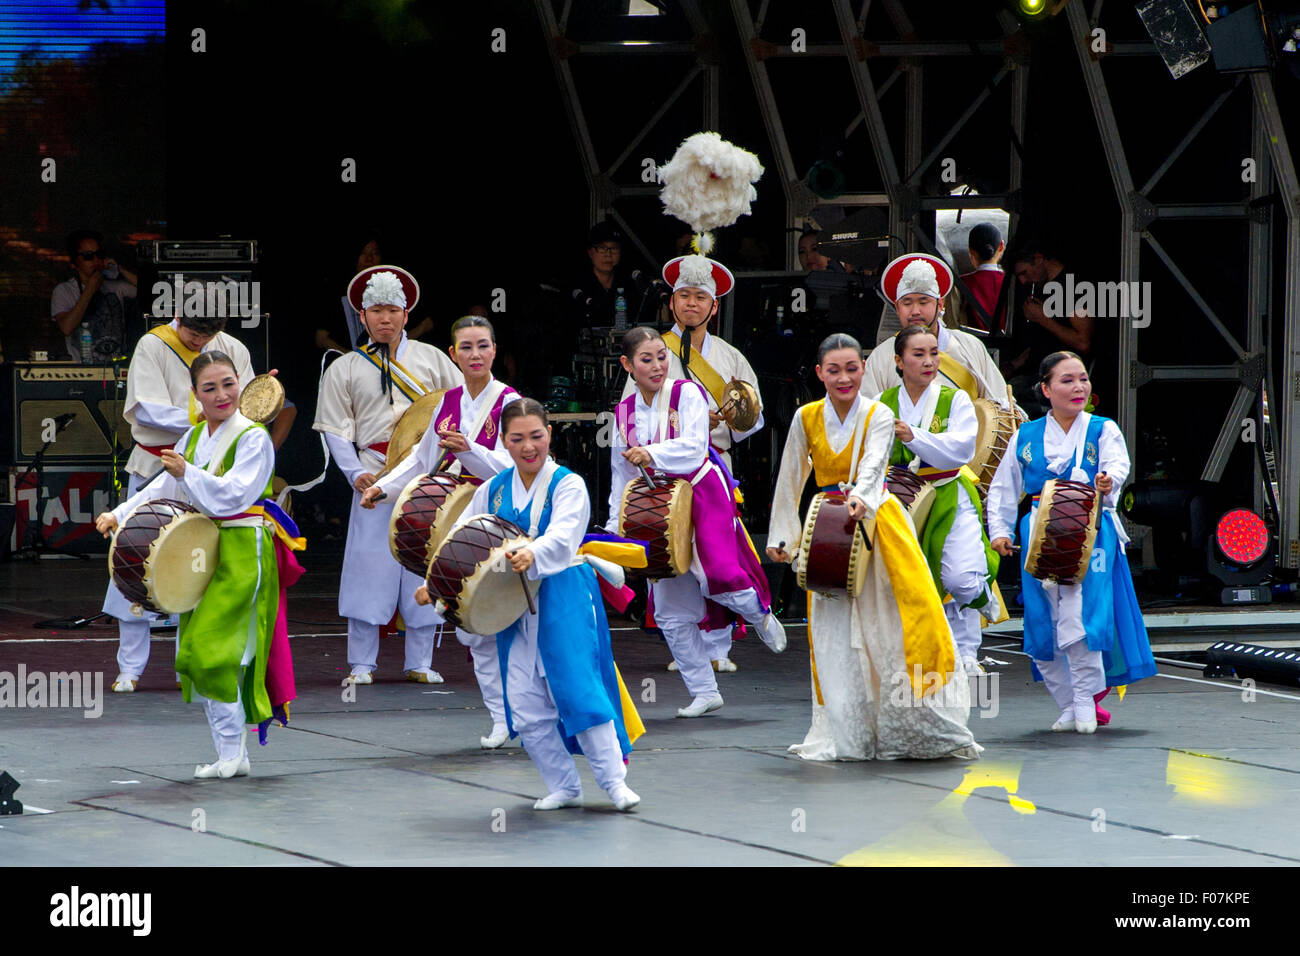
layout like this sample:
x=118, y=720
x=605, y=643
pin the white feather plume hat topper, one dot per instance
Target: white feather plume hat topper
x=708, y=184
x=699, y=272
x=364, y=293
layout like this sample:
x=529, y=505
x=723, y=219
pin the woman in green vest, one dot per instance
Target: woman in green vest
x=934, y=436
x=225, y=472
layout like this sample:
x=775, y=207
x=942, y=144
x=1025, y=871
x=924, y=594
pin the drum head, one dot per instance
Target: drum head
x=859, y=558
x=181, y=562
x=986, y=416
x=681, y=532
x=410, y=428
x=492, y=597
x=262, y=399
x=663, y=519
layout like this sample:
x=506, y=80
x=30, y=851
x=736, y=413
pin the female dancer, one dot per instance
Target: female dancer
x=664, y=427
x=466, y=427
x=934, y=436
x=226, y=473
x=886, y=679
x=562, y=692
x=1086, y=637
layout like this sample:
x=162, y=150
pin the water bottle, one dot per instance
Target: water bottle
x=620, y=312
x=780, y=317
x=87, y=343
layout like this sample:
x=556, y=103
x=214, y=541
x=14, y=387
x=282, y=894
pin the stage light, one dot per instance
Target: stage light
x=1263, y=664
x=1032, y=8
x=1242, y=554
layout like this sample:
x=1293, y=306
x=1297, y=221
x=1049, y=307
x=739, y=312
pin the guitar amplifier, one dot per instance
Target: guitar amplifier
x=94, y=395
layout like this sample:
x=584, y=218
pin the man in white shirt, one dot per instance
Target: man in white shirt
x=362, y=395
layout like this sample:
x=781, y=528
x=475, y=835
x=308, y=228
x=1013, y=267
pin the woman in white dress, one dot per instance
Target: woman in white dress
x=886, y=679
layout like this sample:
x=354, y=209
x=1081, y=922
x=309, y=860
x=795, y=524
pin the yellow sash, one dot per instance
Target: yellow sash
x=959, y=375
x=701, y=369
x=173, y=342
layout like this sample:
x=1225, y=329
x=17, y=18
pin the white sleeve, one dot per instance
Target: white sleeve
x=418, y=461
x=783, y=526
x=1113, y=459
x=166, y=418
x=687, y=452
x=478, y=505
x=485, y=462
x=164, y=486
x=344, y=454
x=877, y=445
x=241, y=486
x=955, y=446
x=334, y=415
x=554, y=549
x=878, y=376
x=1004, y=495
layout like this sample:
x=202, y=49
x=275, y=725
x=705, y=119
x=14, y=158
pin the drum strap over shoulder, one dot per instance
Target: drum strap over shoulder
x=700, y=368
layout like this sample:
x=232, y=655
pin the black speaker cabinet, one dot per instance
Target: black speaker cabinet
x=94, y=395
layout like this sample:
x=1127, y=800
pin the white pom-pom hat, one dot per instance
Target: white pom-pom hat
x=699, y=272
x=708, y=184
x=372, y=287
x=916, y=274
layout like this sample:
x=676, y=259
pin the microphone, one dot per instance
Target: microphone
x=651, y=284
x=582, y=298
x=61, y=421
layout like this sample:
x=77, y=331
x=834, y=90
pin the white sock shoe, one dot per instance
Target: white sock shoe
x=623, y=798
x=500, y=734
x=125, y=683
x=558, y=801
x=1065, y=721
x=772, y=633
x=701, y=706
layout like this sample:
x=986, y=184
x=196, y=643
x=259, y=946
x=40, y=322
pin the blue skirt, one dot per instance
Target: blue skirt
x=1112, y=620
x=574, y=645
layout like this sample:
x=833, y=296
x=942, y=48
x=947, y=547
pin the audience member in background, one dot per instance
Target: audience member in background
x=1044, y=334
x=810, y=260
x=326, y=337
x=93, y=296
x=596, y=290
x=985, y=283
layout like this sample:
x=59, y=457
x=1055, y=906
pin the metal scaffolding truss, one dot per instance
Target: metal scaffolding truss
x=1275, y=172
x=901, y=184
x=602, y=186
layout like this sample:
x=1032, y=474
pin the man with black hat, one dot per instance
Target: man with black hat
x=361, y=397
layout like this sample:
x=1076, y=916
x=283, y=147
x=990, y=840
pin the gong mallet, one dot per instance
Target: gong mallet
x=528, y=595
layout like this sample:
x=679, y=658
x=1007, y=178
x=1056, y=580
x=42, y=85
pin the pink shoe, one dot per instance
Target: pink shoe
x=1103, y=715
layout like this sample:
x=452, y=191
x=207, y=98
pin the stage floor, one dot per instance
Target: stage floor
x=1190, y=773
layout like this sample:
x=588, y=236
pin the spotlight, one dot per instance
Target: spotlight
x=1033, y=8
x=1242, y=555
x=1272, y=665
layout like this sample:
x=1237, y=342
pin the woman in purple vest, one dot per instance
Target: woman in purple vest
x=467, y=428
x=663, y=426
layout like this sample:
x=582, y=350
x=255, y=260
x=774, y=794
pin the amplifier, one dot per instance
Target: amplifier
x=94, y=395
x=201, y=250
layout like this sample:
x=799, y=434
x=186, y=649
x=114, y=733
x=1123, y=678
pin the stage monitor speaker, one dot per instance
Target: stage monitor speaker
x=95, y=395
x=1176, y=32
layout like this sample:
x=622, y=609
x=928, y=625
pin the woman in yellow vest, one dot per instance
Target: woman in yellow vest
x=934, y=437
x=886, y=682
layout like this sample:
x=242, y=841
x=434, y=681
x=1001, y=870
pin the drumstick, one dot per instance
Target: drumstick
x=437, y=466
x=648, y=480
x=528, y=595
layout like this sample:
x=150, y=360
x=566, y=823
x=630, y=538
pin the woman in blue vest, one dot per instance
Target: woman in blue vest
x=1087, y=637
x=562, y=691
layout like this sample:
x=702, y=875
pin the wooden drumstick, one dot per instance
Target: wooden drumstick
x=528, y=595
x=646, y=475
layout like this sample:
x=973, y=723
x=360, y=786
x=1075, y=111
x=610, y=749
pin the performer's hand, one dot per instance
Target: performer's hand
x=902, y=430
x=1003, y=547
x=522, y=559
x=370, y=496
x=857, y=508
x=174, y=463
x=364, y=481
x=106, y=524
x=1105, y=483
x=422, y=595
x=638, y=456
x=453, y=440
x=779, y=555
x=715, y=420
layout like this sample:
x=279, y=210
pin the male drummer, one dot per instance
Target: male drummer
x=160, y=407
x=917, y=283
x=361, y=397
x=713, y=362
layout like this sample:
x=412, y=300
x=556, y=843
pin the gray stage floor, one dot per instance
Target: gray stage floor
x=1189, y=773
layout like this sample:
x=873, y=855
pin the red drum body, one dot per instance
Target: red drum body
x=834, y=551
x=423, y=514
x=1065, y=527
x=661, y=517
